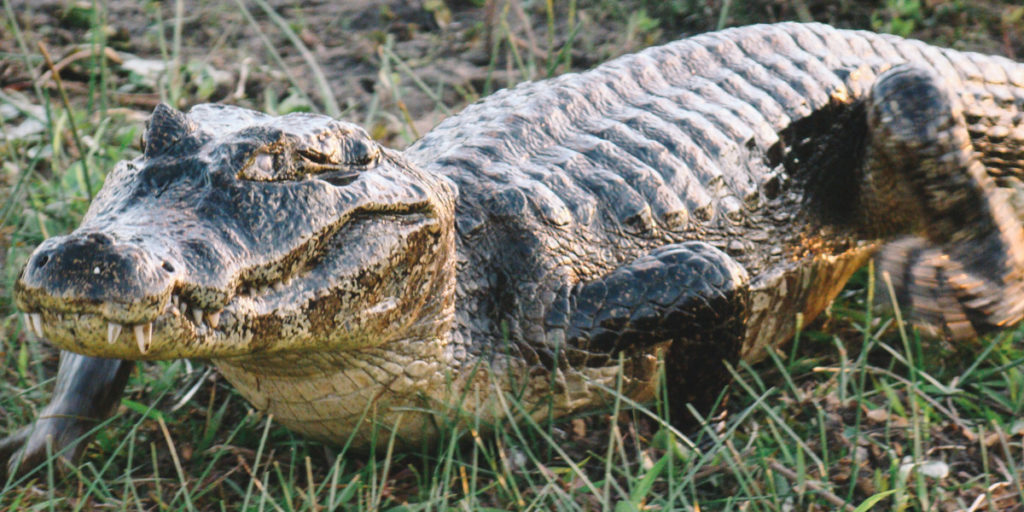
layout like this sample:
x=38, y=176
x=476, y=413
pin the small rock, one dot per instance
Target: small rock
x=148, y=71
x=935, y=469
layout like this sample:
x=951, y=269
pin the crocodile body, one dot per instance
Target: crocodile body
x=684, y=204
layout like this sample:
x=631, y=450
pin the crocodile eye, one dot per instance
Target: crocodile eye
x=297, y=147
x=315, y=162
x=338, y=165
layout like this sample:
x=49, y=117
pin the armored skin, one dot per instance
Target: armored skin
x=683, y=204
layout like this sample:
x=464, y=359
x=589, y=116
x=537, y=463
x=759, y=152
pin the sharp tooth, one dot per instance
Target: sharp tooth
x=113, y=331
x=174, y=310
x=213, y=319
x=149, y=335
x=184, y=307
x=175, y=300
x=140, y=338
x=60, y=318
x=28, y=321
x=197, y=316
x=37, y=324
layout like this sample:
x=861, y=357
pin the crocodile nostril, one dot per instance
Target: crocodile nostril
x=41, y=260
x=168, y=267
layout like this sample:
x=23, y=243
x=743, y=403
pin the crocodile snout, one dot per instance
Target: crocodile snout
x=90, y=269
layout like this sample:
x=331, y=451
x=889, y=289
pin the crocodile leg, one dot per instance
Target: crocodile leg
x=964, y=271
x=88, y=390
x=690, y=295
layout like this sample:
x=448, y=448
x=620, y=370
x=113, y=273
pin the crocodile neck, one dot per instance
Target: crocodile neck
x=415, y=386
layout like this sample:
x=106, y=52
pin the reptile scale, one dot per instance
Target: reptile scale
x=683, y=204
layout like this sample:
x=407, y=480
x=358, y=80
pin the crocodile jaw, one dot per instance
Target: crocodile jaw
x=329, y=306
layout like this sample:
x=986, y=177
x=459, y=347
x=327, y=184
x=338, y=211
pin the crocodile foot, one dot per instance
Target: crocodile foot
x=938, y=294
x=87, y=391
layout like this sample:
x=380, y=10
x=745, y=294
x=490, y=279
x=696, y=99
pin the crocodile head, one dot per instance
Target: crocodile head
x=239, y=233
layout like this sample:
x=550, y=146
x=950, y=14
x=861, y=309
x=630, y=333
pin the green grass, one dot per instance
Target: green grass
x=860, y=411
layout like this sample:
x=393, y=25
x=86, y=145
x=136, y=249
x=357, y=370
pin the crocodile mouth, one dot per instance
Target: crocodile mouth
x=353, y=271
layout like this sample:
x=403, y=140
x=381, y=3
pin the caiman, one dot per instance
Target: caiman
x=678, y=207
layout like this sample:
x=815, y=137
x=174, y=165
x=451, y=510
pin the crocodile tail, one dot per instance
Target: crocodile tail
x=942, y=297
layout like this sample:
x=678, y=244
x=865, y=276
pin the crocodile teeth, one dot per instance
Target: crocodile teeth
x=144, y=336
x=197, y=316
x=113, y=331
x=213, y=319
x=37, y=324
x=174, y=310
x=140, y=337
x=28, y=321
x=175, y=300
x=184, y=307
